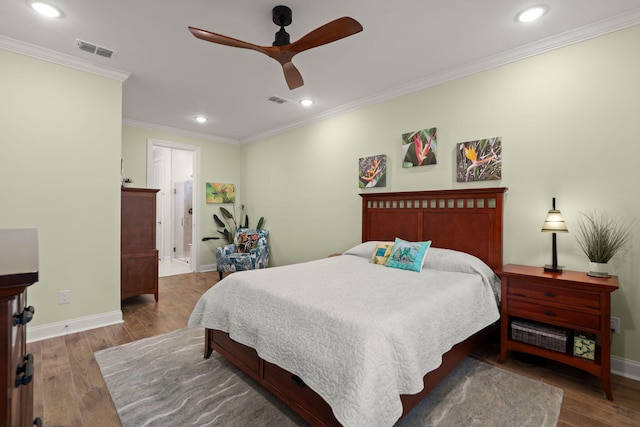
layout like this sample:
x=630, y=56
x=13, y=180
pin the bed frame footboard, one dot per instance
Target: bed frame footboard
x=292, y=390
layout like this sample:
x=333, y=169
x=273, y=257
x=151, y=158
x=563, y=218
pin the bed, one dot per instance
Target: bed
x=343, y=341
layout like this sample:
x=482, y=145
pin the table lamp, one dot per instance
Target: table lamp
x=554, y=224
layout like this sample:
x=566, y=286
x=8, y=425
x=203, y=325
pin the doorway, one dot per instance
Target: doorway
x=173, y=168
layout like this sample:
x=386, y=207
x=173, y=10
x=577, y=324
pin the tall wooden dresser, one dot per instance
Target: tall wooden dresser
x=138, y=253
x=18, y=270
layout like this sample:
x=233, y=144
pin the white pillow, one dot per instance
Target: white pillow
x=364, y=250
x=462, y=262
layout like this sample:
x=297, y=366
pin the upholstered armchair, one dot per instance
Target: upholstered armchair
x=249, y=251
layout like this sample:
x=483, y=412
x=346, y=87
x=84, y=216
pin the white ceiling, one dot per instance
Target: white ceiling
x=406, y=45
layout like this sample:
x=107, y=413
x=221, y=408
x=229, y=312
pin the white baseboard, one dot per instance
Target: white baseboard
x=208, y=267
x=51, y=330
x=625, y=368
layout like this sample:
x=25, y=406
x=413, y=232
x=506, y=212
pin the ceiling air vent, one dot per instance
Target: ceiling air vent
x=101, y=51
x=95, y=49
x=278, y=100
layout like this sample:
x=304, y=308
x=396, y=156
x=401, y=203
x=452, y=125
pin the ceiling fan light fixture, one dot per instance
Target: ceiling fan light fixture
x=532, y=14
x=46, y=9
x=306, y=102
x=201, y=119
x=283, y=51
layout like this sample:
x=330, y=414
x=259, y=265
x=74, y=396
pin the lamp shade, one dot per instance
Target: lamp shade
x=554, y=222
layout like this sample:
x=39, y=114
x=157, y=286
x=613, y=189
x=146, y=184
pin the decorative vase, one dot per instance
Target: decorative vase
x=599, y=269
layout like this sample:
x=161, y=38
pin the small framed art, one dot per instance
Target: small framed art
x=419, y=148
x=372, y=171
x=479, y=160
x=220, y=193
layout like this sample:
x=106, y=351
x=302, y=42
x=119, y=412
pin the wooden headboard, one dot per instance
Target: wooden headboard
x=465, y=220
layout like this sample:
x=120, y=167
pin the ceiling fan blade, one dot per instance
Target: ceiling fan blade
x=292, y=75
x=328, y=33
x=225, y=40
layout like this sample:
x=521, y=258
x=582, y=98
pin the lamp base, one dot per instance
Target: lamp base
x=553, y=268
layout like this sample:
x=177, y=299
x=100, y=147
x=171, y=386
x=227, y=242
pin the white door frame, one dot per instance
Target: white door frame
x=195, y=254
x=158, y=165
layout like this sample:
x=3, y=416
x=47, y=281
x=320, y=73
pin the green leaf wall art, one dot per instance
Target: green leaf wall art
x=419, y=148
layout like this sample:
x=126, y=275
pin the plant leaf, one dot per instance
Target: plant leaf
x=218, y=221
x=226, y=213
x=260, y=221
x=246, y=221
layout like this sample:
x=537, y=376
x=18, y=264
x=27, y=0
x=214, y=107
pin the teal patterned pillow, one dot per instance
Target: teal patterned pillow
x=408, y=255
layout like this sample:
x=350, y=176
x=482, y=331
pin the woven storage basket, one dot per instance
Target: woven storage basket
x=540, y=335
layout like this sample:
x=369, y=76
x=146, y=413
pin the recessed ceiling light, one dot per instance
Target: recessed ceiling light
x=306, y=102
x=46, y=9
x=531, y=14
x=201, y=119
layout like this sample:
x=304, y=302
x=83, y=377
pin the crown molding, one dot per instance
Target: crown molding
x=568, y=38
x=161, y=128
x=60, y=58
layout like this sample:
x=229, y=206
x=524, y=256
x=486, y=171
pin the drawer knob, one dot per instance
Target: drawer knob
x=24, y=372
x=25, y=317
x=550, y=313
x=37, y=422
x=549, y=294
x=298, y=381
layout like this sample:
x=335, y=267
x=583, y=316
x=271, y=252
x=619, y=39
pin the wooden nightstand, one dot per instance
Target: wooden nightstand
x=571, y=300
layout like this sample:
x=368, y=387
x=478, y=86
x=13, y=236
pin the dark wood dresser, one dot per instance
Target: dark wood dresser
x=138, y=253
x=18, y=271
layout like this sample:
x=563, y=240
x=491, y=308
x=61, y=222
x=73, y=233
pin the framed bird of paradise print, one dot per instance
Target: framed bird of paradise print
x=479, y=160
x=419, y=148
x=372, y=171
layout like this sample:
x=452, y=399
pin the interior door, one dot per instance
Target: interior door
x=183, y=208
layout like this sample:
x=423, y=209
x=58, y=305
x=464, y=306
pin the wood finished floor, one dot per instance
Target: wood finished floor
x=69, y=390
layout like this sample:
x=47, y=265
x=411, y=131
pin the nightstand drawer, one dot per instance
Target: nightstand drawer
x=553, y=294
x=572, y=318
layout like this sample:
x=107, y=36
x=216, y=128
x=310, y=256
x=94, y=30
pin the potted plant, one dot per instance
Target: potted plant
x=230, y=225
x=601, y=236
x=127, y=182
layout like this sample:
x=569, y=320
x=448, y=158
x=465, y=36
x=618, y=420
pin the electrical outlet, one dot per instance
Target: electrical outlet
x=64, y=297
x=615, y=324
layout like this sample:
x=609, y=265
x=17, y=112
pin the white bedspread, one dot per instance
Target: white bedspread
x=358, y=334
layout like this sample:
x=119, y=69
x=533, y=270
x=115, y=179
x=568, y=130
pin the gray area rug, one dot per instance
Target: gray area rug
x=165, y=381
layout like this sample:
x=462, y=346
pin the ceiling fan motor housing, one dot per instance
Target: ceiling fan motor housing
x=282, y=17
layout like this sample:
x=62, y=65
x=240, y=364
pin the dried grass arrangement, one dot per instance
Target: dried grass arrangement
x=601, y=236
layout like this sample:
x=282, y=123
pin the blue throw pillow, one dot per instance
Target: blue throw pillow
x=408, y=255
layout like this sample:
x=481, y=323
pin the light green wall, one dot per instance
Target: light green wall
x=219, y=162
x=568, y=122
x=567, y=119
x=60, y=171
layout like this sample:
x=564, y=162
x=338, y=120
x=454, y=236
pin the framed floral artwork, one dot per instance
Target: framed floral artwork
x=479, y=160
x=221, y=193
x=372, y=171
x=419, y=148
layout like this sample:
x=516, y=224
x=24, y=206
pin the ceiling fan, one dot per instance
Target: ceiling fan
x=282, y=50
